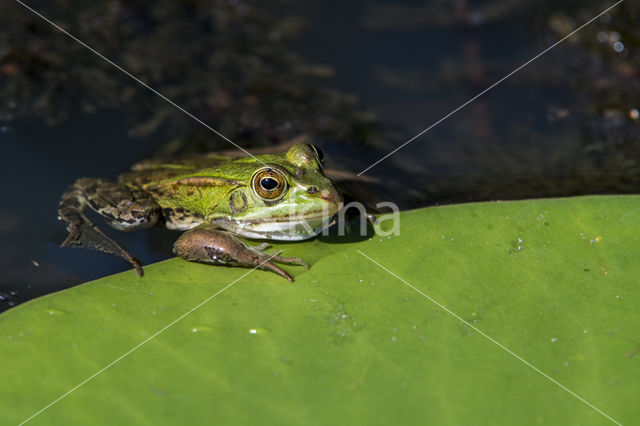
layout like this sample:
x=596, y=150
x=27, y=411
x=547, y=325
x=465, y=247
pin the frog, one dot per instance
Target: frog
x=220, y=202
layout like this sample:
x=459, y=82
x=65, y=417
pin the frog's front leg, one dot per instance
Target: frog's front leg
x=123, y=207
x=207, y=243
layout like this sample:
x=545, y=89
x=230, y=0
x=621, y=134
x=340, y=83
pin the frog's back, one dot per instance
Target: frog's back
x=190, y=189
x=148, y=172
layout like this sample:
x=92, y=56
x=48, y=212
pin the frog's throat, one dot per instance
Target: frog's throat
x=292, y=230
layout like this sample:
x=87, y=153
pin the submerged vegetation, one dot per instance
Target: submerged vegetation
x=225, y=62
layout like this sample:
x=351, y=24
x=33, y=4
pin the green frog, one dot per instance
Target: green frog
x=216, y=199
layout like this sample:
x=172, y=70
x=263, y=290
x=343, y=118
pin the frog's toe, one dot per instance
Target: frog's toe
x=74, y=227
x=290, y=260
x=273, y=268
x=282, y=259
x=73, y=239
x=136, y=264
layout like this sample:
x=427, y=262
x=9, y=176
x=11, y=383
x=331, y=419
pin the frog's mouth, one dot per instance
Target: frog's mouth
x=293, y=229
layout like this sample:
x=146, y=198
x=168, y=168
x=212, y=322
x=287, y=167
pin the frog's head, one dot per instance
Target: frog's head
x=287, y=197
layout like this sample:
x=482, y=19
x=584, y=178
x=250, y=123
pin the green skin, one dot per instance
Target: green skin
x=215, y=199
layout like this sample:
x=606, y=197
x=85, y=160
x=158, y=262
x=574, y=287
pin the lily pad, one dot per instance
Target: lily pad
x=553, y=281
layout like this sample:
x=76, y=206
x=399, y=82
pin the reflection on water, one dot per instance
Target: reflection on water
x=360, y=78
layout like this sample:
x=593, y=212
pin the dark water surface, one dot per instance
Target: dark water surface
x=360, y=77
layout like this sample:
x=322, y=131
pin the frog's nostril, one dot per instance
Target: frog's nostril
x=312, y=189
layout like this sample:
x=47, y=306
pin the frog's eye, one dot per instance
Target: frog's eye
x=269, y=183
x=319, y=154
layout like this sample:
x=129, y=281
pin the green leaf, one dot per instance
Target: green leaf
x=554, y=281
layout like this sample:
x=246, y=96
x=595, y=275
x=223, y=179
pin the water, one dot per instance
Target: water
x=360, y=77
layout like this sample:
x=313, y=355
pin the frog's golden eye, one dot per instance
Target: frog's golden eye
x=319, y=154
x=269, y=183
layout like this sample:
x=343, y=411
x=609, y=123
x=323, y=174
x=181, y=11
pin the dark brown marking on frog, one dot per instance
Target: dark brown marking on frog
x=73, y=203
x=138, y=215
x=103, y=212
x=219, y=255
x=163, y=192
x=178, y=213
x=167, y=212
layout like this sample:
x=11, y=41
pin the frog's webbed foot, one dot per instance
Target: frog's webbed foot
x=82, y=232
x=208, y=244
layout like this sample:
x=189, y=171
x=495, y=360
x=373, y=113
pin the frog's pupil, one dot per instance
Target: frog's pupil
x=268, y=184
